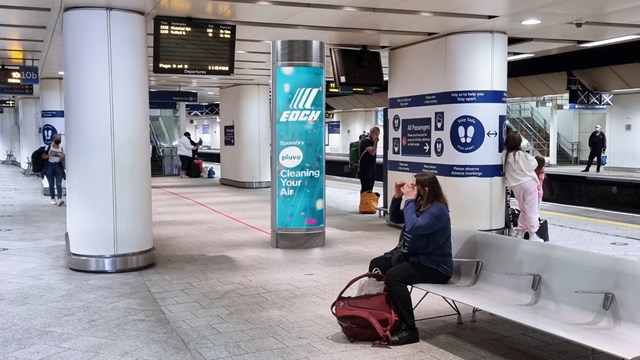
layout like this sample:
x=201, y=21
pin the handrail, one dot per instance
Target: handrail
x=608, y=296
x=538, y=124
x=476, y=272
x=535, y=283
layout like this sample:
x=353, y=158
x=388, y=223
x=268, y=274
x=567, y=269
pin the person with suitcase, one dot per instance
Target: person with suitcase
x=185, y=153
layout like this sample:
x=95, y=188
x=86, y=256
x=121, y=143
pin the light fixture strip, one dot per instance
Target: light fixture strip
x=610, y=41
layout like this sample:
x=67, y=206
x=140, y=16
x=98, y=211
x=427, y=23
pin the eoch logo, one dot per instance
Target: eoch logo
x=301, y=106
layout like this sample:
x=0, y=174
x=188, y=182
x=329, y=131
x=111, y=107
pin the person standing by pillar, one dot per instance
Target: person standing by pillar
x=367, y=168
x=367, y=172
x=54, y=170
x=598, y=145
x=185, y=153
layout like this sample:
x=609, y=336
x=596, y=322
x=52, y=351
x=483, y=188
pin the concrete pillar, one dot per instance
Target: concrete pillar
x=29, y=120
x=447, y=107
x=244, y=131
x=52, y=109
x=107, y=122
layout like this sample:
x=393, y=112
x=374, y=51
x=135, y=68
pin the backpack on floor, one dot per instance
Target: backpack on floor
x=366, y=317
x=211, y=173
x=37, y=162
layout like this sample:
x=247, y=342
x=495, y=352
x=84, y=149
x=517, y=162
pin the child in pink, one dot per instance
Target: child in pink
x=540, y=173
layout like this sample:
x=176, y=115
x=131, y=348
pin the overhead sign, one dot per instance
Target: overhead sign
x=173, y=96
x=16, y=89
x=26, y=75
x=332, y=88
x=191, y=46
x=7, y=103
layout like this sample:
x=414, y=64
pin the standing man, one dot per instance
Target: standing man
x=598, y=145
x=367, y=168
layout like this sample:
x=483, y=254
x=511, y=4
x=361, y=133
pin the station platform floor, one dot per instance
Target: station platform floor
x=220, y=291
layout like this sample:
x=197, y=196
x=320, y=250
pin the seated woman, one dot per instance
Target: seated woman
x=423, y=253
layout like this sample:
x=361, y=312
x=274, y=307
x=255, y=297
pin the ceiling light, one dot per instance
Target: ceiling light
x=210, y=93
x=426, y=13
x=619, y=91
x=519, y=57
x=348, y=8
x=60, y=72
x=530, y=22
x=610, y=41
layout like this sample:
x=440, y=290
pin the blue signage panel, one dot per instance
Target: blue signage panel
x=173, y=96
x=467, y=134
x=454, y=97
x=163, y=105
x=52, y=113
x=333, y=127
x=29, y=75
x=48, y=131
x=229, y=135
x=416, y=137
x=206, y=129
x=299, y=147
x=16, y=89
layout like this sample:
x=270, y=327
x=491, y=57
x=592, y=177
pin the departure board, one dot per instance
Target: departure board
x=191, y=46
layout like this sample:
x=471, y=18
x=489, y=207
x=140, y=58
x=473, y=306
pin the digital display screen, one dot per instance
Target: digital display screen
x=8, y=76
x=191, y=46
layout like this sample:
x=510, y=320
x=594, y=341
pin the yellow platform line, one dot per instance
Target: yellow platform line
x=578, y=217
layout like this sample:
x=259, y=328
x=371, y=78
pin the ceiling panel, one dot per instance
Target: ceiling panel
x=258, y=25
x=535, y=46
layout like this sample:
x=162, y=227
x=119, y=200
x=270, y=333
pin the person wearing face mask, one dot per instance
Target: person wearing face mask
x=423, y=253
x=54, y=169
x=598, y=145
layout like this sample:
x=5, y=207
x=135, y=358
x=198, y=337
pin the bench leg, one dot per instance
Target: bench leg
x=419, y=301
x=454, y=306
x=473, y=314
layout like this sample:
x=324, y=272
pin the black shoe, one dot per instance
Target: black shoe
x=526, y=236
x=585, y=170
x=405, y=335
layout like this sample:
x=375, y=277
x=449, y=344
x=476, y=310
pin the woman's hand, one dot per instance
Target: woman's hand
x=398, y=189
x=409, y=191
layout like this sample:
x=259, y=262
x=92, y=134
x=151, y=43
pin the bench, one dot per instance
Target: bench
x=382, y=211
x=585, y=297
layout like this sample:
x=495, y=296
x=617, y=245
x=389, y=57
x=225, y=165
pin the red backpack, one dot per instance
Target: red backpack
x=366, y=317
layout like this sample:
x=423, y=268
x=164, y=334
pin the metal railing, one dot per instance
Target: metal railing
x=528, y=120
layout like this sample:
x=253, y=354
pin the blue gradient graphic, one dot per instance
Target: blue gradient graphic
x=299, y=147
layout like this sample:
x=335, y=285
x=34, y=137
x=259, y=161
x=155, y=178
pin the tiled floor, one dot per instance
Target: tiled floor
x=220, y=291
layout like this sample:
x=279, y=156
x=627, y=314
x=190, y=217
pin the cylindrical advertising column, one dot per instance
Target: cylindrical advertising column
x=107, y=122
x=298, y=176
x=52, y=109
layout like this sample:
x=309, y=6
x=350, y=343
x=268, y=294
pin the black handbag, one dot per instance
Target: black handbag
x=543, y=230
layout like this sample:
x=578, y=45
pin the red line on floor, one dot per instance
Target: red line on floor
x=217, y=212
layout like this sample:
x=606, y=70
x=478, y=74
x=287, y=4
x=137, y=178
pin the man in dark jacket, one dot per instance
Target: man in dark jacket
x=598, y=145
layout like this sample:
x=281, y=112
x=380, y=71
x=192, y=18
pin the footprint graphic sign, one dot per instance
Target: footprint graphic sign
x=467, y=134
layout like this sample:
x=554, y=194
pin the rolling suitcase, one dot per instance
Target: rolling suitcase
x=194, y=169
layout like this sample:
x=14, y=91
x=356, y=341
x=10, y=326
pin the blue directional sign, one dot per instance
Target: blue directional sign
x=416, y=137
